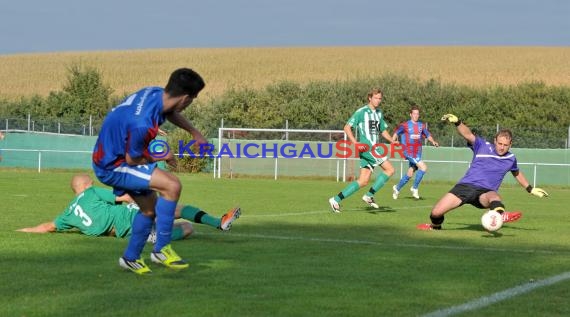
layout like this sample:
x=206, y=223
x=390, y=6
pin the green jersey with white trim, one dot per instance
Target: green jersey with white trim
x=368, y=124
x=95, y=213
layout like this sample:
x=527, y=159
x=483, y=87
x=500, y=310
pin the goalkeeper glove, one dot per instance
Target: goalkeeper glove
x=538, y=192
x=451, y=118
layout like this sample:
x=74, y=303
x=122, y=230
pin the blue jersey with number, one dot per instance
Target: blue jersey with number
x=488, y=168
x=411, y=135
x=129, y=128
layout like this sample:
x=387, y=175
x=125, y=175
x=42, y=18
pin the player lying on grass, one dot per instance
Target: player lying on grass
x=482, y=180
x=97, y=211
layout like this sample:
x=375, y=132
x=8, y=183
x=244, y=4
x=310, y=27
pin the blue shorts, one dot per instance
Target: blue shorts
x=414, y=161
x=127, y=179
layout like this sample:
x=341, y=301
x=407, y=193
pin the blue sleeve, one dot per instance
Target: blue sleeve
x=425, y=131
x=399, y=129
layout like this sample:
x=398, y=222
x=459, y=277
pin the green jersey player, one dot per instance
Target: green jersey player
x=369, y=123
x=97, y=211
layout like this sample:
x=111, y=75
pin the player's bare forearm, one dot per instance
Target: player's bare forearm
x=386, y=135
x=124, y=198
x=348, y=130
x=432, y=141
x=521, y=179
x=466, y=133
x=180, y=121
x=41, y=228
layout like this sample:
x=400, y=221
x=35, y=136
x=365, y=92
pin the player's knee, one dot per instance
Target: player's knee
x=174, y=189
x=187, y=229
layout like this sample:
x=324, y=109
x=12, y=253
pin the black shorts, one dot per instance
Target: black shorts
x=469, y=194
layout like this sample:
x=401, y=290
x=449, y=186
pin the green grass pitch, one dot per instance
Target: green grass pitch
x=288, y=255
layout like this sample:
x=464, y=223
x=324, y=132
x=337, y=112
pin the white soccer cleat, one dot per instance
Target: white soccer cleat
x=415, y=193
x=334, y=205
x=370, y=201
x=395, y=192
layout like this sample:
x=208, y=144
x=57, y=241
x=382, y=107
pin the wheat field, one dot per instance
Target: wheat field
x=223, y=68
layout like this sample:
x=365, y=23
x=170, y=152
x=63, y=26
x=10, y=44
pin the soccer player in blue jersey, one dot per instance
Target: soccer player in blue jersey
x=411, y=134
x=368, y=121
x=482, y=180
x=121, y=159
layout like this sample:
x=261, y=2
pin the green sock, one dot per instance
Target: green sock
x=196, y=215
x=177, y=233
x=347, y=191
x=378, y=183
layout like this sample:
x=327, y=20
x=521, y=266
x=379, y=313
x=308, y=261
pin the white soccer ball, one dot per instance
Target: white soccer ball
x=492, y=220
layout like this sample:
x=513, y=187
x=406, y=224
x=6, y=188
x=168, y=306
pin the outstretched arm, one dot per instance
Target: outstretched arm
x=41, y=228
x=538, y=192
x=462, y=128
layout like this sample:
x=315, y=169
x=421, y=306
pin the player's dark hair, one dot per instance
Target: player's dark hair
x=505, y=133
x=184, y=81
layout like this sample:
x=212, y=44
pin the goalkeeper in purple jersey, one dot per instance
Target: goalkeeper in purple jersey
x=411, y=134
x=479, y=186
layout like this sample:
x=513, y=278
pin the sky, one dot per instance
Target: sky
x=29, y=26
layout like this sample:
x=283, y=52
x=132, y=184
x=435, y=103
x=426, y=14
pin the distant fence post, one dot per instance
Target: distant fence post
x=29, y=119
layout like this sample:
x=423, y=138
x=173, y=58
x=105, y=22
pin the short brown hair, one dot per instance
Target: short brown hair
x=505, y=133
x=375, y=91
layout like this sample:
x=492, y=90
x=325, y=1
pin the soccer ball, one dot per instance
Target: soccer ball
x=492, y=220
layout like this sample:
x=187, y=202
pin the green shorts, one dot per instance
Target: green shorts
x=370, y=160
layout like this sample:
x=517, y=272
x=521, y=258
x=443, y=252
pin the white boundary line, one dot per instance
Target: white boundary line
x=314, y=212
x=376, y=243
x=498, y=297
